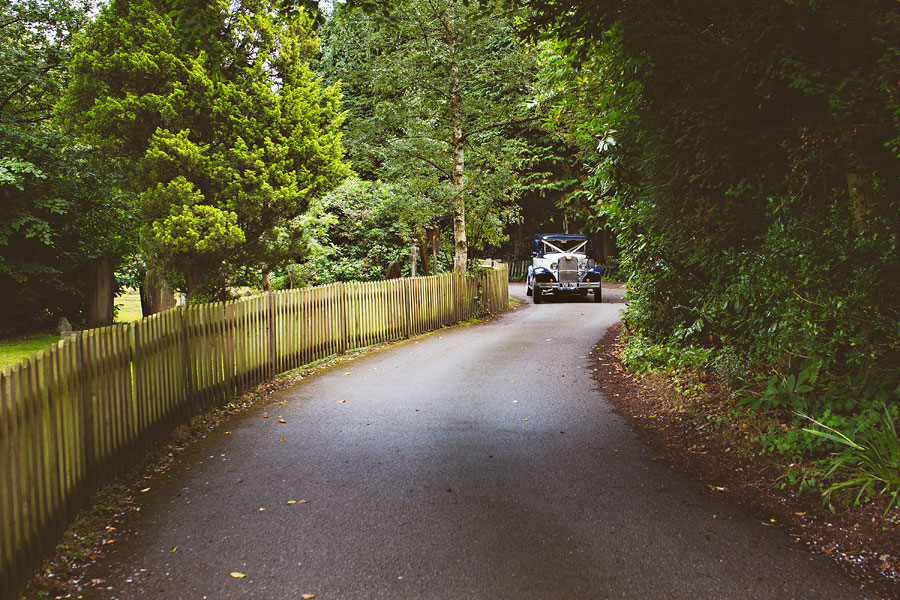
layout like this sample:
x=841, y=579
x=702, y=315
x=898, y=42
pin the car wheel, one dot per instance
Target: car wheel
x=528, y=289
x=598, y=296
x=538, y=295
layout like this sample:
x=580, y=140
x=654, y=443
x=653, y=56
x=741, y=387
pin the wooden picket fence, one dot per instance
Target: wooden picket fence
x=74, y=416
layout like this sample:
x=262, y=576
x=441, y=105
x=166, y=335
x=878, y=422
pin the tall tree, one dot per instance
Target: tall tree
x=434, y=92
x=221, y=139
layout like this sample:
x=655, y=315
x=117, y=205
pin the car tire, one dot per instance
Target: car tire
x=598, y=296
x=538, y=295
x=528, y=289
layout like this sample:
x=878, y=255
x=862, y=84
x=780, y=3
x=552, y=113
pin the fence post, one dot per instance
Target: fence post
x=270, y=331
x=87, y=417
x=185, y=364
x=343, y=309
x=454, y=312
x=407, y=306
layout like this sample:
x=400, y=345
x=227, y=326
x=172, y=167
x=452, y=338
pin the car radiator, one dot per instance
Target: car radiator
x=568, y=270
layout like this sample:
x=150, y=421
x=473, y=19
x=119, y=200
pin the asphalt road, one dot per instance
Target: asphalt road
x=478, y=462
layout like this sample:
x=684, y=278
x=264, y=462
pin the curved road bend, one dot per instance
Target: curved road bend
x=476, y=463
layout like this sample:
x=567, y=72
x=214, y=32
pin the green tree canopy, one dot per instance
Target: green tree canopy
x=59, y=213
x=436, y=99
x=221, y=140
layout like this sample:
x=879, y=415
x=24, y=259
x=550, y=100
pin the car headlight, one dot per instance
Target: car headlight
x=554, y=265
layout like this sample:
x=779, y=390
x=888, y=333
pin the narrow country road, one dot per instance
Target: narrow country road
x=475, y=463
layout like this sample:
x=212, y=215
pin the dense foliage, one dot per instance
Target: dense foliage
x=435, y=96
x=219, y=140
x=748, y=157
x=58, y=212
x=354, y=233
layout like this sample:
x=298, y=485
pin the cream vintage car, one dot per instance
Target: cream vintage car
x=562, y=264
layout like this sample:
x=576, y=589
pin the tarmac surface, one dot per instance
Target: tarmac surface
x=478, y=462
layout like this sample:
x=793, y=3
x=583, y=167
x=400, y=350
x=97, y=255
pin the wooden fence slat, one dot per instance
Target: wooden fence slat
x=10, y=532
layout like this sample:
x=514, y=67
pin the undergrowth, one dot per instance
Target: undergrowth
x=838, y=442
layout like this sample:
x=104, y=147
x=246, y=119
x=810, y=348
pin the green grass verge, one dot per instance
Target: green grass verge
x=15, y=349
x=129, y=305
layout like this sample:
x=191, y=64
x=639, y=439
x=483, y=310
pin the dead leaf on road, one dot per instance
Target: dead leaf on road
x=308, y=596
x=238, y=575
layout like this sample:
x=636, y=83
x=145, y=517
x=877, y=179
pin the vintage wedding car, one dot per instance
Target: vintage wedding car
x=562, y=264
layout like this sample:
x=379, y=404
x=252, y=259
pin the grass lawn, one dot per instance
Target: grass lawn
x=13, y=350
x=129, y=303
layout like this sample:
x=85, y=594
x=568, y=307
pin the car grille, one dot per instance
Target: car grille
x=568, y=269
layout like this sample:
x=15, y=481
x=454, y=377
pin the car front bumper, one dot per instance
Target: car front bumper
x=564, y=286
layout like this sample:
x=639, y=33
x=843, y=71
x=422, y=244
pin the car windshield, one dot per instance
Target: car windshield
x=565, y=246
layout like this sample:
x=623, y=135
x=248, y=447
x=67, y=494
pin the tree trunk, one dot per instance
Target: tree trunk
x=859, y=200
x=423, y=253
x=461, y=247
x=98, y=299
x=156, y=296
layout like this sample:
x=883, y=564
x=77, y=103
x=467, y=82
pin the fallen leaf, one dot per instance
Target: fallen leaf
x=346, y=373
x=265, y=416
x=292, y=502
x=524, y=419
x=238, y=575
x=174, y=549
x=308, y=596
x=282, y=421
x=227, y=433
x=512, y=380
x=261, y=509
x=145, y=490
x=283, y=440
x=341, y=401
x=282, y=403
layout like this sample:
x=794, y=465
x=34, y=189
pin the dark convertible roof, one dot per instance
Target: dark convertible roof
x=559, y=236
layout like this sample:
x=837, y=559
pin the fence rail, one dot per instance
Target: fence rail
x=84, y=410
